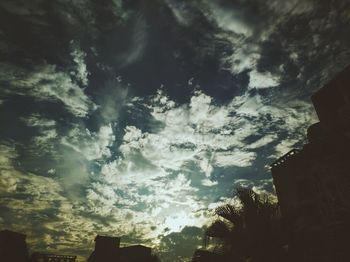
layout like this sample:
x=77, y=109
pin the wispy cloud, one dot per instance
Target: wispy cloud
x=91, y=145
x=9, y=176
x=47, y=83
x=81, y=73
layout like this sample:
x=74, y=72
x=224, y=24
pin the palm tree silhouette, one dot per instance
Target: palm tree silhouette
x=251, y=232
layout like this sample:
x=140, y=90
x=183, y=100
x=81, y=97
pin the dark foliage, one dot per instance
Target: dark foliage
x=251, y=232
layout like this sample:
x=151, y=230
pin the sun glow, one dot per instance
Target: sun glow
x=178, y=221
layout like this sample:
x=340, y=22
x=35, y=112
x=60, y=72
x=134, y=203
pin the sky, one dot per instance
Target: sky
x=137, y=118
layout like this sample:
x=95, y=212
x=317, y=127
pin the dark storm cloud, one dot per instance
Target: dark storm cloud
x=281, y=37
x=311, y=38
x=39, y=30
x=120, y=34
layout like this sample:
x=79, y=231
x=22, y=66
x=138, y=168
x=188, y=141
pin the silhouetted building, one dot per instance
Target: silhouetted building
x=13, y=247
x=108, y=249
x=135, y=254
x=332, y=103
x=41, y=257
x=313, y=184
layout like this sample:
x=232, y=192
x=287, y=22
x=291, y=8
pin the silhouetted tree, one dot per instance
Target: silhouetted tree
x=251, y=232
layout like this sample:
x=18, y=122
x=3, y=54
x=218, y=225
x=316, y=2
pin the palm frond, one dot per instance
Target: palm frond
x=230, y=213
x=248, y=198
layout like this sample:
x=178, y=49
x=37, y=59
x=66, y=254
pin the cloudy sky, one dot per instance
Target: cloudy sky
x=137, y=118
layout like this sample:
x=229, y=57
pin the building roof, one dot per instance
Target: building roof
x=7, y=232
x=54, y=256
x=283, y=159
